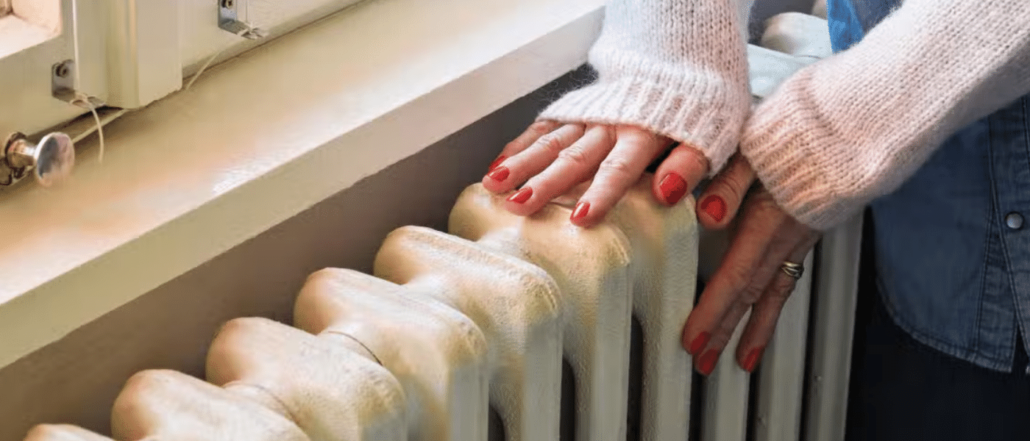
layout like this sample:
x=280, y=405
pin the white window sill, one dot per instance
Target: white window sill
x=262, y=138
x=17, y=34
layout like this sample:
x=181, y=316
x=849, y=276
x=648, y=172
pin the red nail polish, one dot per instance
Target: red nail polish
x=673, y=188
x=752, y=359
x=715, y=207
x=497, y=162
x=699, y=343
x=521, y=196
x=581, y=211
x=499, y=174
x=708, y=361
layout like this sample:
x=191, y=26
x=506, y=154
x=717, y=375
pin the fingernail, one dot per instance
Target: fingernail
x=497, y=162
x=708, y=362
x=752, y=359
x=581, y=211
x=499, y=174
x=699, y=343
x=521, y=196
x=673, y=188
x=715, y=207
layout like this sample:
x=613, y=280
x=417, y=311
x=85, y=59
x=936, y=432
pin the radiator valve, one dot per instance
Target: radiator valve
x=50, y=161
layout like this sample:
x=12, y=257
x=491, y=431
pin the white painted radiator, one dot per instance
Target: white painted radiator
x=520, y=329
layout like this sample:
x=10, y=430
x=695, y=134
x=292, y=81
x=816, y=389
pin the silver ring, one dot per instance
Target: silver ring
x=794, y=270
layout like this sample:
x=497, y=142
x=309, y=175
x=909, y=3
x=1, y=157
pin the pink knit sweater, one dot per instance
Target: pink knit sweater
x=837, y=134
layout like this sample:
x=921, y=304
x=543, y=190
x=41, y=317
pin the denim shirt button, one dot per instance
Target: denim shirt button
x=1014, y=221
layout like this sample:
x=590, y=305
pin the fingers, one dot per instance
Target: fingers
x=526, y=139
x=766, y=312
x=529, y=154
x=707, y=358
x=746, y=252
x=767, y=237
x=551, y=159
x=720, y=201
x=681, y=171
x=571, y=166
x=617, y=173
x=738, y=303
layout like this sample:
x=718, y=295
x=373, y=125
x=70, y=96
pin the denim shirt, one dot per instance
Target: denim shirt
x=952, y=245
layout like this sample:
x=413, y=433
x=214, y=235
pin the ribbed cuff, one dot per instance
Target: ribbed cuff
x=786, y=143
x=705, y=111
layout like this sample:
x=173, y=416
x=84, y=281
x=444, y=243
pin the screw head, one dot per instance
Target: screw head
x=62, y=70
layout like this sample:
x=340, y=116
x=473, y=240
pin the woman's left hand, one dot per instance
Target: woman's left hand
x=750, y=275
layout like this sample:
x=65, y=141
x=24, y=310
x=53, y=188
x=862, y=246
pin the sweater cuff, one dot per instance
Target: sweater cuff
x=785, y=143
x=708, y=117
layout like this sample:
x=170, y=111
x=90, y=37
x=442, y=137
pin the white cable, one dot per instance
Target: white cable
x=75, y=38
x=84, y=99
x=79, y=96
x=209, y=61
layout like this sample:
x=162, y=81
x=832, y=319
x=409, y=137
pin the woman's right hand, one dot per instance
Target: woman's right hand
x=551, y=158
x=751, y=275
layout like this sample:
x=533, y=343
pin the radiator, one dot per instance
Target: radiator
x=518, y=329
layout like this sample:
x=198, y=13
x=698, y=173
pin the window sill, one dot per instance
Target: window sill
x=262, y=138
x=17, y=35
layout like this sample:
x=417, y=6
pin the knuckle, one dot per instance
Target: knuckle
x=612, y=134
x=782, y=287
x=542, y=127
x=609, y=132
x=697, y=159
x=751, y=294
x=575, y=155
x=149, y=383
x=734, y=187
x=551, y=143
x=738, y=277
x=618, y=167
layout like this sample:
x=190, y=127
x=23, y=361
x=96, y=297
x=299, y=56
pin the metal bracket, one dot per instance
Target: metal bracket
x=62, y=85
x=228, y=20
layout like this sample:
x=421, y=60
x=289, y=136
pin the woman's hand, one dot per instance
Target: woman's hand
x=750, y=275
x=551, y=158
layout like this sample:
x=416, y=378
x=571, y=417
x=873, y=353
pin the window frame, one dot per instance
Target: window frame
x=200, y=39
x=29, y=106
x=131, y=53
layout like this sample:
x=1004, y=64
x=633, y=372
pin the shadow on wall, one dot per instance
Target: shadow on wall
x=76, y=380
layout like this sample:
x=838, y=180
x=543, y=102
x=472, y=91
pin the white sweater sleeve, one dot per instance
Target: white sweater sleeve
x=855, y=126
x=675, y=67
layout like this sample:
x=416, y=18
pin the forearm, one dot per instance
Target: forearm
x=855, y=126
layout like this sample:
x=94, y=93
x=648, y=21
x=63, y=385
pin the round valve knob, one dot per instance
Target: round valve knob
x=51, y=160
